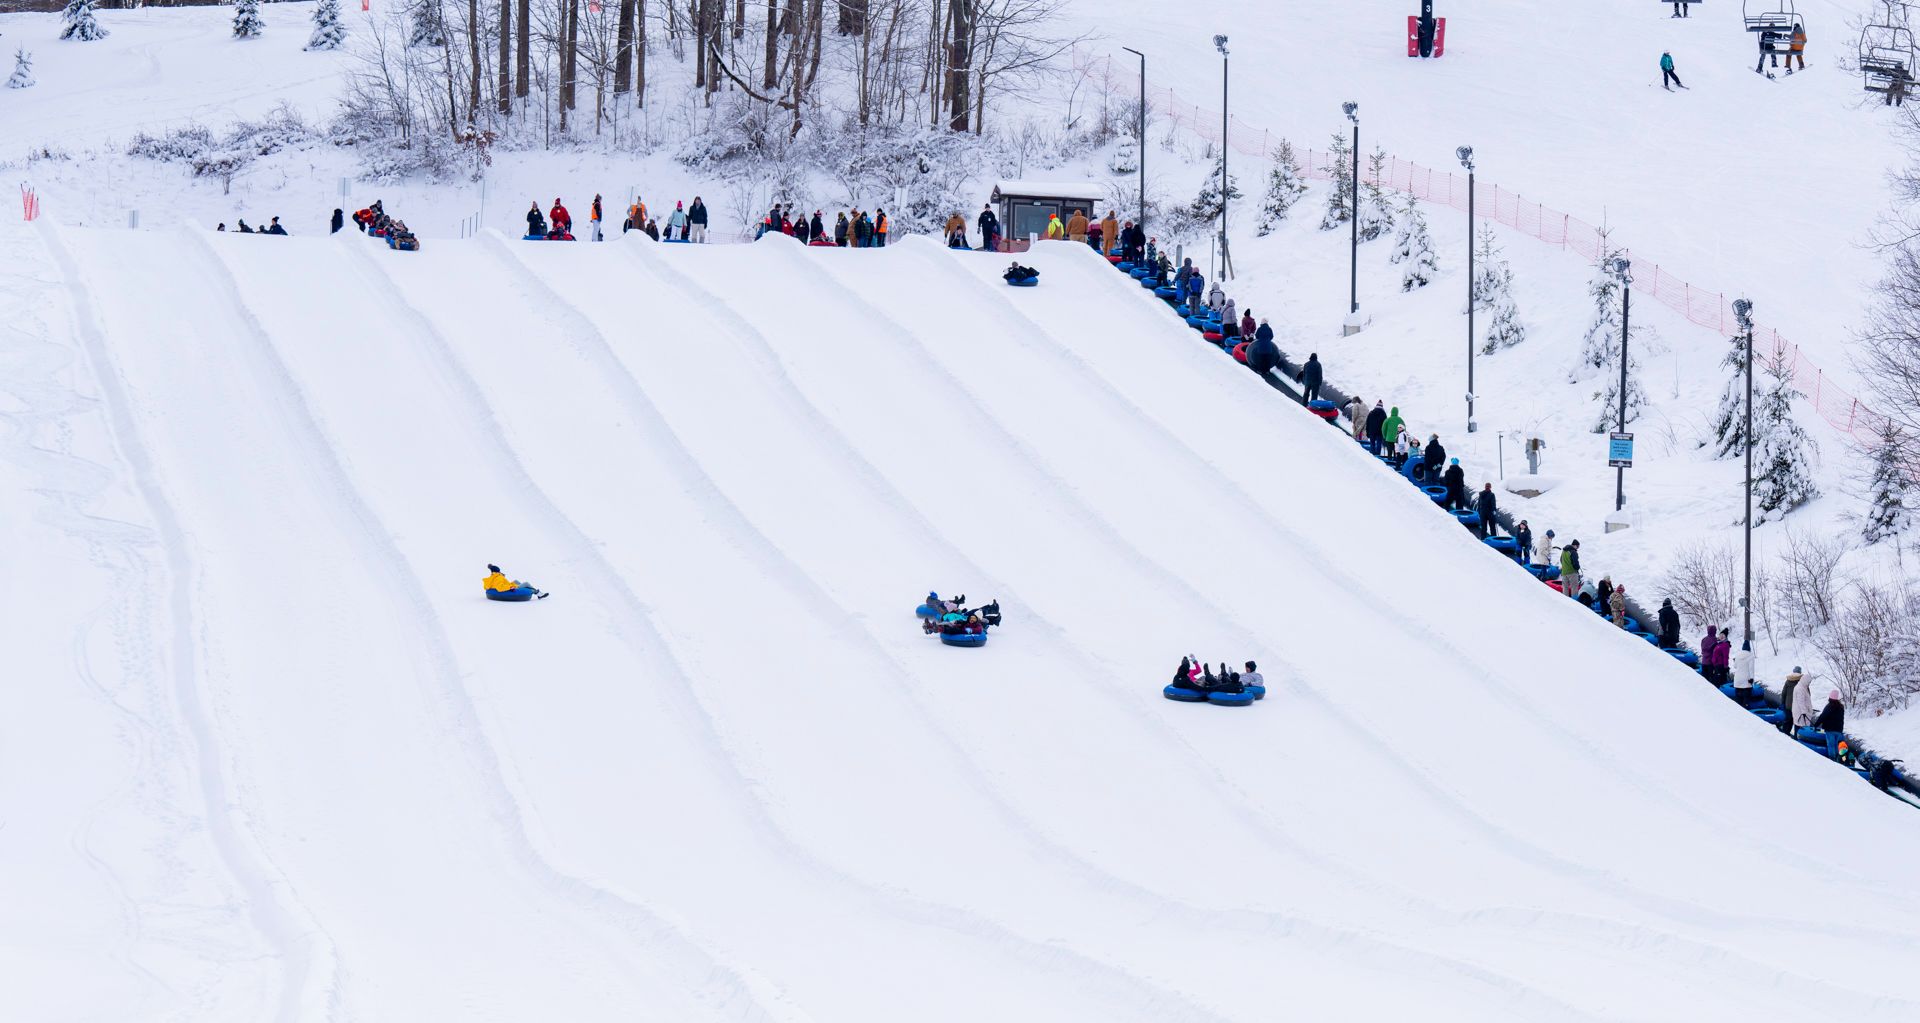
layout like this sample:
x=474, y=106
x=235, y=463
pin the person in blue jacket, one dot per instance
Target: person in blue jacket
x=1196, y=283
x=1263, y=355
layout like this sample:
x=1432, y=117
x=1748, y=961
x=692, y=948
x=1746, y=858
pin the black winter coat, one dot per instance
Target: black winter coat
x=1669, y=625
x=1376, y=423
x=1435, y=456
x=1263, y=355
x=1456, y=482
x=1833, y=717
x=339, y=221
x=1484, y=504
x=1310, y=373
x=697, y=213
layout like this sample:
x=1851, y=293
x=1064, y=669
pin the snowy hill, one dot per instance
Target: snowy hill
x=273, y=755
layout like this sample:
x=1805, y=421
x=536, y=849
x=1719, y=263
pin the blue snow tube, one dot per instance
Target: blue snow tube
x=1138, y=272
x=1504, y=544
x=965, y=639
x=1184, y=694
x=1436, y=492
x=1686, y=657
x=534, y=238
x=1633, y=624
x=517, y=594
x=1231, y=699
x=926, y=612
x=1259, y=692
x=1124, y=266
x=1026, y=282
x=1649, y=637
x=1771, y=715
x=1469, y=519
x=1544, y=573
x=1166, y=293
x=1148, y=283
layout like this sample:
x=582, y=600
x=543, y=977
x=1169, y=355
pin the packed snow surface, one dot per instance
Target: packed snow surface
x=271, y=755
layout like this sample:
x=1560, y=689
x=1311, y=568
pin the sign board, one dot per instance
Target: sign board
x=1620, y=451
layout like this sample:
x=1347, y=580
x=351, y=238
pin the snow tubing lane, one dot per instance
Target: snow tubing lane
x=1231, y=699
x=967, y=639
x=515, y=595
x=1183, y=694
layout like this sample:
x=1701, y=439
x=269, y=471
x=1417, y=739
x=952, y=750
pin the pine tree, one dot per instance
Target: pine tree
x=246, y=19
x=429, y=24
x=1601, y=345
x=80, y=22
x=1414, y=248
x=1493, y=292
x=1783, y=475
x=328, y=31
x=1284, y=188
x=1730, y=422
x=1376, y=214
x=1887, y=515
x=1607, y=415
x=1340, y=200
x=22, y=70
x=1206, y=205
x=1126, y=157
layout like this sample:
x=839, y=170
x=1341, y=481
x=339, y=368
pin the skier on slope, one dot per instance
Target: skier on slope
x=1666, y=72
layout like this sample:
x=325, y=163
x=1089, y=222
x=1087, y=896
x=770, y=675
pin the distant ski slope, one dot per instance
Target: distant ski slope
x=722, y=775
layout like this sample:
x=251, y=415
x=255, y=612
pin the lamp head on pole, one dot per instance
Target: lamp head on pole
x=1621, y=267
x=1352, y=110
x=1220, y=43
x=1743, y=315
x=1465, y=153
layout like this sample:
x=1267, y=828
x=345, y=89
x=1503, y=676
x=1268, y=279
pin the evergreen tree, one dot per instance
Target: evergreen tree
x=328, y=31
x=1887, y=515
x=80, y=22
x=1414, y=248
x=1284, y=188
x=1493, y=292
x=22, y=76
x=1340, y=200
x=1730, y=422
x=1608, y=397
x=1206, y=205
x=1783, y=475
x=1126, y=157
x=1600, y=348
x=246, y=19
x=1376, y=212
x=429, y=24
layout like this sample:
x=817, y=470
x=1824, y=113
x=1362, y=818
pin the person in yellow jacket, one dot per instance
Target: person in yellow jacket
x=499, y=587
x=1055, y=230
x=1077, y=228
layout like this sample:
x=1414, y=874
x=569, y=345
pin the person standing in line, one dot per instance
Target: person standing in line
x=1456, y=481
x=1547, y=548
x=677, y=222
x=1833, y=717
x=1485, y=505
x=594, y=217
x=1523, y=541
x=1570, y=569
x=1310, y=377
x=881, y=228
x=339, y=221
x=1077, y=228
x=1376, y=427
x=697, y=221
x=1617, y=606
x=1109, y=233
x=1667, y=74
x=1669, y=625
x=989, y=228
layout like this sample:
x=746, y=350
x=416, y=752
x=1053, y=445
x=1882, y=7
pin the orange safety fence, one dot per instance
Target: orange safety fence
x=1707, y=308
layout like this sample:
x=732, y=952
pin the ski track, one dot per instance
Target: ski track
x=1520, y=848
x=621, y=911
x=756, y=545
x=305, y=952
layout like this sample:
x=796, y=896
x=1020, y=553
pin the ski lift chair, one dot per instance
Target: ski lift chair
x=1887, y=56
x=1776, y=16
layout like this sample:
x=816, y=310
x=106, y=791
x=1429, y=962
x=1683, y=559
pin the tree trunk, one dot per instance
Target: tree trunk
x=739, y=19
x=623, y=56
x=771, y=76
x=506, y=57
x=473, y=58
x=524, y=41
x=959, y=64
x=640, y=49
x=852, y=20
x=697, y=14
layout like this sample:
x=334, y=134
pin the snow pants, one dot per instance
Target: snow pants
x=1570, y=584
x=1667, y=75
x=697, y=232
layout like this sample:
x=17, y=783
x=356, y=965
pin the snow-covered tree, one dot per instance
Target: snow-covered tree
x=22, y=76
x=429, y=24
x=1284, y=188
x=81, y=24
x=329, y=33
x=1206, y=205
x=1413, y=248
x=1887, y=514
x=1600, y=348
x=1607, y=399
x=246, y=19
x=1730, y=421
x=1376, y=210
x=1126, y=157
x=1782, y=470
x=1340, y=200
x=1493, y=292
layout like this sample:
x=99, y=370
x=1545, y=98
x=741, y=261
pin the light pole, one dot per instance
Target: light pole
x=1141, y=139
x=1226, y=262
x=1353, y=278
x=1743, y=315
x=1621, y=268
x=1465, y=153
